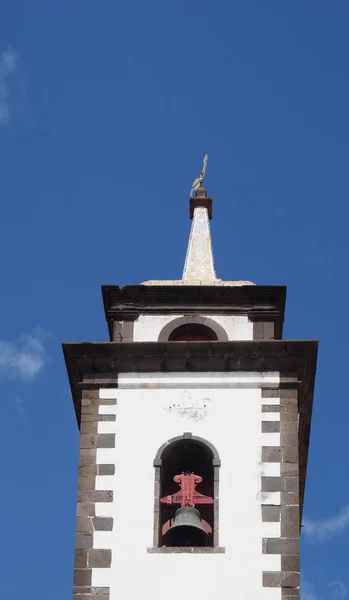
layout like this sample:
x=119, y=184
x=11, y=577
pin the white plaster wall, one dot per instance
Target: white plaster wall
x=149, y=411
x=148, y=327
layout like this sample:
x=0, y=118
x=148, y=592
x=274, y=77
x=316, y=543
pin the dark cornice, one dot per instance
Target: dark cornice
x=97, y=364
x=259, y=302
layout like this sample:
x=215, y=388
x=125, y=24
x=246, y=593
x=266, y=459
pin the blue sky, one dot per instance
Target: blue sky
x=106, y=110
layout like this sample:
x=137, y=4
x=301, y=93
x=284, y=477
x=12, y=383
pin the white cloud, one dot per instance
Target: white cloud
x=8, y=60
x=322, y=530
x=19, y=404
x=308, y=592
x=23, y=359
x=338, y=590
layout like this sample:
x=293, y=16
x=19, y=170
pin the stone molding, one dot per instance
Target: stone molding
x=240, y=379
x=186, y=550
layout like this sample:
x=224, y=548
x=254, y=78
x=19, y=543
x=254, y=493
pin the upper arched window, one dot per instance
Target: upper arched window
x=193, y=328
x=192, y=332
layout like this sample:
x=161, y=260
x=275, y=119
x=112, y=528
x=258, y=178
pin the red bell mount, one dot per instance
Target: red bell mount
x=187, y=496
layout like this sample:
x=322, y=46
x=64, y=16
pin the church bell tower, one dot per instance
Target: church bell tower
x=194, y=422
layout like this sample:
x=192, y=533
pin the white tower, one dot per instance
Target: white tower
x=198, y=383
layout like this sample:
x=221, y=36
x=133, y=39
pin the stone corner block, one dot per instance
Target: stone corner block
x=99, y=559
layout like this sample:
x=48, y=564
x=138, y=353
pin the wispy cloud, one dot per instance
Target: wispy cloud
x=338, y=590
x=19, y=404
x=8, y=61
x=318, y=531
x=23, y=359
x=308, y=592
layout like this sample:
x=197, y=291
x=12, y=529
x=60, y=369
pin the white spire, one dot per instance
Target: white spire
x=198, y=266
x=199, y=259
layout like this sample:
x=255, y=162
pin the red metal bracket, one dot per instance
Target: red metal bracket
x=187, y=495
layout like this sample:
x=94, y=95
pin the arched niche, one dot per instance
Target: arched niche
x=186, y=453
x=218, y=331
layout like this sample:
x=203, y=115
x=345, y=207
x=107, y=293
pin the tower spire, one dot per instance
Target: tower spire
x=199, y=264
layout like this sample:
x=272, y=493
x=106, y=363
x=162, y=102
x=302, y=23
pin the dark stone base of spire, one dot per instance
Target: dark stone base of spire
x=200, y=199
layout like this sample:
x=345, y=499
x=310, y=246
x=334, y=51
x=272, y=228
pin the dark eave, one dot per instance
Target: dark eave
x=259, y=302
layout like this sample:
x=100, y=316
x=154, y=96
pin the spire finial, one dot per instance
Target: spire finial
x=197, y=182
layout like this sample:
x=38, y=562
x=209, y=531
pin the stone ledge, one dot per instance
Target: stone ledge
x=186, y=550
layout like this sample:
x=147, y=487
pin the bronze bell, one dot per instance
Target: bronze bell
x=186, y=529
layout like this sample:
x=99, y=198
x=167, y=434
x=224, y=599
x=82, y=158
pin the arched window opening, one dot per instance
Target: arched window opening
x=192, y=332
x=185, y=510
x=195, y=324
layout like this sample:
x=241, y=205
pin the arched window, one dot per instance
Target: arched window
x=192, y=328
x=186, y=494
x=192, y=332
